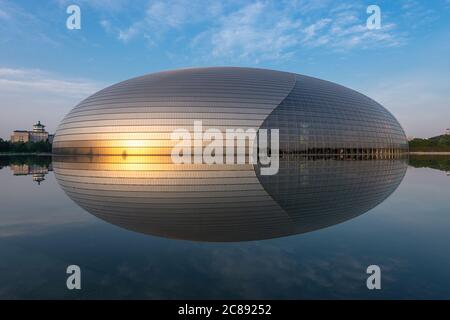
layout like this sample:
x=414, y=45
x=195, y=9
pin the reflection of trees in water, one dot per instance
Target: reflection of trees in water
x=30, y=160
x=24, y=165
x=439, y=162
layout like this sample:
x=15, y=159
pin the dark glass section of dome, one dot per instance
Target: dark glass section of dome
x=321, y=117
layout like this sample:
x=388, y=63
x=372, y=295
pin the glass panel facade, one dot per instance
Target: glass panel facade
x=137, y=116
x=320, y=117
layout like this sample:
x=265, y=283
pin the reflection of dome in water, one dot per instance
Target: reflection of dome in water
x=314, y=116
x=226, y=202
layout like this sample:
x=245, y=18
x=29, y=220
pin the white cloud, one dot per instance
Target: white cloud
x=162, y=16
x=418, y=15
x=17, y=23
x=106, y=25
x=266, y=31
x=312, y=30
x=20, y=80
x=257, y=31
x=103, y=5
x=345, y=29
x=252, y=34
x=129, y=33
x=180, y=12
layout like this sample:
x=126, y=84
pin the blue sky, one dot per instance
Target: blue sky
x=45, y=69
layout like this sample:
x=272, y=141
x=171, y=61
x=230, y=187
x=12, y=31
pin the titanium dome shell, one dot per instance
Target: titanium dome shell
x=137, y=116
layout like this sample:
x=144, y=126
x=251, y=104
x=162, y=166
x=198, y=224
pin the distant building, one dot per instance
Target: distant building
x=20, y=136
x=447, y=131
x=37, y=134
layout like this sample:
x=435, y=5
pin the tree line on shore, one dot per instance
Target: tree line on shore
x=435, y=144
x=25, y=147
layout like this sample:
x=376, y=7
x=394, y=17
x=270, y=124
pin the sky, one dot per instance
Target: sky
x=46, y=69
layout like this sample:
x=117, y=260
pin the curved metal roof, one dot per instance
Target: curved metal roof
x=139, y=114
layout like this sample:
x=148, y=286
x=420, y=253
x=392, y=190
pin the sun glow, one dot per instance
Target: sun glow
x=137, y=143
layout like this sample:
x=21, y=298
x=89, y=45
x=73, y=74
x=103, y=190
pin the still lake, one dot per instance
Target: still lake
x=332, y=221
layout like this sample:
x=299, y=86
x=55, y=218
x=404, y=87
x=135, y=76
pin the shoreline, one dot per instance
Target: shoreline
x=26, y=154
x=437, y=153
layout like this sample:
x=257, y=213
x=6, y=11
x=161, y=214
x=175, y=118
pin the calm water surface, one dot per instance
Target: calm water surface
x=42, y=231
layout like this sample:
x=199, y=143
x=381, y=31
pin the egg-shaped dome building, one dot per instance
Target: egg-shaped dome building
x=137, y=116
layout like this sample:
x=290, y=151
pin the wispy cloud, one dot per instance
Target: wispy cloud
x=17, y=23
x=129, y=33
x=262, y=30
x=181, y=12
x=26, y=80
x=265, y=31
x=416, y=14
x=160, y=17
x=252, y=33
x=104, y=5
x=33, y=92
x=345, y=29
